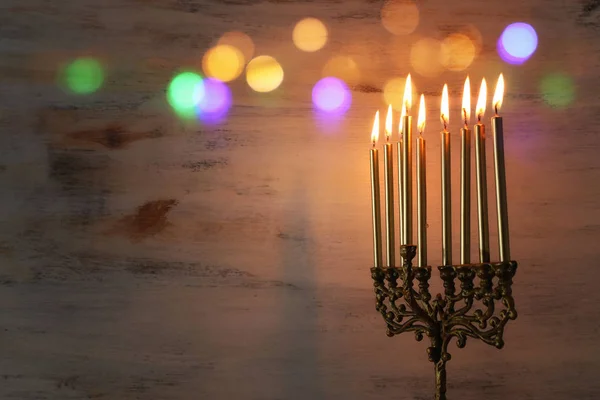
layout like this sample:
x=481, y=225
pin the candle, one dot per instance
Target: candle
x=465, y=178
x=375, y=199
x=480, y=170
x=421, y=189
x=407, y=166
x=400, y=202
x=388, y=172
x=501, y=202
x=446, y=184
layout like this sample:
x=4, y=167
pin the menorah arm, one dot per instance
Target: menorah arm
x=415, y=324
x=492, y=336
x=394, y=314
x=481, y=325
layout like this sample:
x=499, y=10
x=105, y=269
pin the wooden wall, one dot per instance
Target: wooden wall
x=143, y=257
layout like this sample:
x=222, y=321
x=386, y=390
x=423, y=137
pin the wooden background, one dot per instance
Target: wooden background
x=146, y=258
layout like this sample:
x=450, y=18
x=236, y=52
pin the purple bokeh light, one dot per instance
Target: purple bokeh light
x=215, y=104
x=517, y=43
x=331, y=95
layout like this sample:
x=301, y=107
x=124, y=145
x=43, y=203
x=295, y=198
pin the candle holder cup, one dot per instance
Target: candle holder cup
x=467, y=311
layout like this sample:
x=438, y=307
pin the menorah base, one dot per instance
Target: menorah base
x=449, y=316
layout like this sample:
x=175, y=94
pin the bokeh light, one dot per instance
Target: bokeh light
x=400, y=17
x=458, y=52
x=184, y=93
x=310, y=34
x=517, y=43
x=558, y=90
x=240, y=41
x=344, y=68
x=264, y=74
x=223, y=62
x=83, y=76
x=331, y=95
x=393, y=92
x=474, y=34
x=426, y=57
x=215, y=103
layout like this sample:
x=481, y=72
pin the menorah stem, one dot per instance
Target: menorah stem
x=440, y=380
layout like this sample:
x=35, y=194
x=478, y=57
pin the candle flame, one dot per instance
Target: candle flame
x=445, y=106
x=407, y=102
x=481, y=100
x=498, y=94
x=375, y=131
x=388, y=123
x=421, y=119
x=466, y=102
x=402, y=115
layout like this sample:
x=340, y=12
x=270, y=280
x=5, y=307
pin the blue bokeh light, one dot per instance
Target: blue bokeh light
x=214, y=105
x=517, y=43
x=332, y=96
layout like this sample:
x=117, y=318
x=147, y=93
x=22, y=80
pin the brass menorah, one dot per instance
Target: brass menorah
x=446, y=316
x=470, y=309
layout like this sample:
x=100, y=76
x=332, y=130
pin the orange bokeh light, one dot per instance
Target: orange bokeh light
x=264, y=74
x=393, y=90
x=344, y=68
x=223, y=62
x=425, y=57
x=400, y=17
x=458, y=52
x=310, y=35
x=240, y=41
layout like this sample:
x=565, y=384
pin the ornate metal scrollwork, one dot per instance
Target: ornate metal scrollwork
x=466, y=311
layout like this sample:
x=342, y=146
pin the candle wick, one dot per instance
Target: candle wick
x=496, y=109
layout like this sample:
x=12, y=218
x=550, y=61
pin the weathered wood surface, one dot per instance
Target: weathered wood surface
x=142, y=258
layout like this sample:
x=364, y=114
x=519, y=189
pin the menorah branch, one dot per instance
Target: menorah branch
x=478, y=308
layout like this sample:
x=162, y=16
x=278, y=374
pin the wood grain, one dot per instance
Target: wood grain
x=142, y=256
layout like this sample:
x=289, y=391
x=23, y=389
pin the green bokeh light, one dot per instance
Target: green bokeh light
x=558, y=90
x=185, y=92
x=84, y=76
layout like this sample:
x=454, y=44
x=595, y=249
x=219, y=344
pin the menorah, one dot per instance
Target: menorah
x=446, y=316
x=482, y=304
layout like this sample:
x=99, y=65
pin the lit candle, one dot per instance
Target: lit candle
x=400, y=202
x=421, y=189
x=407, y=166
x=465, y=178
x=388, y=173
x=480, y=166
x=446, y=184
x=375, y=199
x=501, y=202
